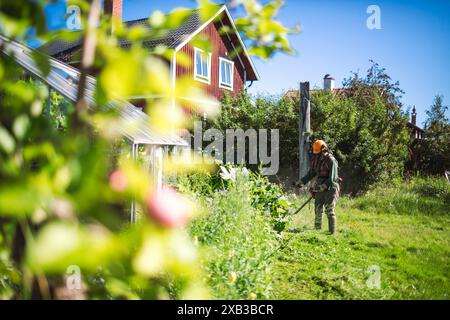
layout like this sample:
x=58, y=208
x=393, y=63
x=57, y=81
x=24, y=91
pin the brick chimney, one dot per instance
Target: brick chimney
x=413, y=115
x=113, y=8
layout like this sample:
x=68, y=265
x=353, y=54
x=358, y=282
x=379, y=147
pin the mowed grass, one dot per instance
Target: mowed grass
x=410, y=247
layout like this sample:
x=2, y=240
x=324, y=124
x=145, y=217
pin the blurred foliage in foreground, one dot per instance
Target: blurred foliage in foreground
x=64, y=190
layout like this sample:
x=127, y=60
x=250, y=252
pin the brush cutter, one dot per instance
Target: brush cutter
x=303, y=205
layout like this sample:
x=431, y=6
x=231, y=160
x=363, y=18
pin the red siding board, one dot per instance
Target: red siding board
x=221, y=47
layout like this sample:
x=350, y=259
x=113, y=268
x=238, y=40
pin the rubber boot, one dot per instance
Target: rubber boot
x=318, y=221
x=332, y=224
x=318, y=209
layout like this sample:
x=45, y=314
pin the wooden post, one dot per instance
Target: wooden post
x=304, y=129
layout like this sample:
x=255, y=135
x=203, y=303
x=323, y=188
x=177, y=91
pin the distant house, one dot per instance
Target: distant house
x=226, y=68
x=416, y=132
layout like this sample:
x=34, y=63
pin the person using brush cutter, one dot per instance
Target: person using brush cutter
x=325, y=189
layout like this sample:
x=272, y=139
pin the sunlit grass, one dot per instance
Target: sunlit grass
x=411, y=247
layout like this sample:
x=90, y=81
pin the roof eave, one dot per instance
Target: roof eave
x=210, y=20
x=242, y=43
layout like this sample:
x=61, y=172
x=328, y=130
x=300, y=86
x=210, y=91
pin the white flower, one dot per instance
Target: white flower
x=227, y=174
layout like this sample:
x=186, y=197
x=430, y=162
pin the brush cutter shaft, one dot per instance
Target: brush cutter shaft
x=303, y=205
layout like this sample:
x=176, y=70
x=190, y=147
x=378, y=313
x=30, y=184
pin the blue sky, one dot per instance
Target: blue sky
x=411, y=44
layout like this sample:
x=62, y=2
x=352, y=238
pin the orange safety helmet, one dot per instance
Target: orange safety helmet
x=318, y=146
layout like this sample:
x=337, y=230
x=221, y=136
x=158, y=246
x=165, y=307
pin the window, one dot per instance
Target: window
x=202, y=65
x=226, y=73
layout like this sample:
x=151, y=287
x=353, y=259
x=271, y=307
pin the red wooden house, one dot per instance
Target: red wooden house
x=226, y=68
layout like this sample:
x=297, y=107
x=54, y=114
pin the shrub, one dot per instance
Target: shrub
x=267, y=197
x=198, y=184
x=265, y=112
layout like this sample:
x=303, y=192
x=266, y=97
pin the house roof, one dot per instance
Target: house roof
x=173, y=39
x=414, y=127
x=57, y=46
x=175, y=36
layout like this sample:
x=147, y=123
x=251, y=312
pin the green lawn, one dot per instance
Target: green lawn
x=411, y=250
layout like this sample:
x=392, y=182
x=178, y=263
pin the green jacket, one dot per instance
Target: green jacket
x=332, y=180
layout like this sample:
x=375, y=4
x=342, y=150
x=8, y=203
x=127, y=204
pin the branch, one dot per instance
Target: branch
x=87, y=55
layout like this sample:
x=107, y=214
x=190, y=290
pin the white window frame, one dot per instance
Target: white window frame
x=222, y=84
x=198, y=77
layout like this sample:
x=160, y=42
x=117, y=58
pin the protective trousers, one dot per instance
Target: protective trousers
x=326, y=201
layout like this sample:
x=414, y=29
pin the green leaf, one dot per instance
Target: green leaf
x=7, y=142
x=262, y=52
x=18, y=200
x=283, y=203
x=21, y=125
x=271, y=9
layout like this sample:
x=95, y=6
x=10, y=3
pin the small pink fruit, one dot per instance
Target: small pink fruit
x=118, y=181
x=167, y=208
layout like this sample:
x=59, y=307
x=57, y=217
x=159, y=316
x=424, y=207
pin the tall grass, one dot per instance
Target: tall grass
x=238, y=239
x=428, y=196
x=402, y=229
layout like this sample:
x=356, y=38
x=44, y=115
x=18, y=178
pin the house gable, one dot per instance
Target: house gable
x=223, y=48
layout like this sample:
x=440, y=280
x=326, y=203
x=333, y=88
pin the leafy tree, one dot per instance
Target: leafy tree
x=365, y=127
x=363, y=123
x=434, y=149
